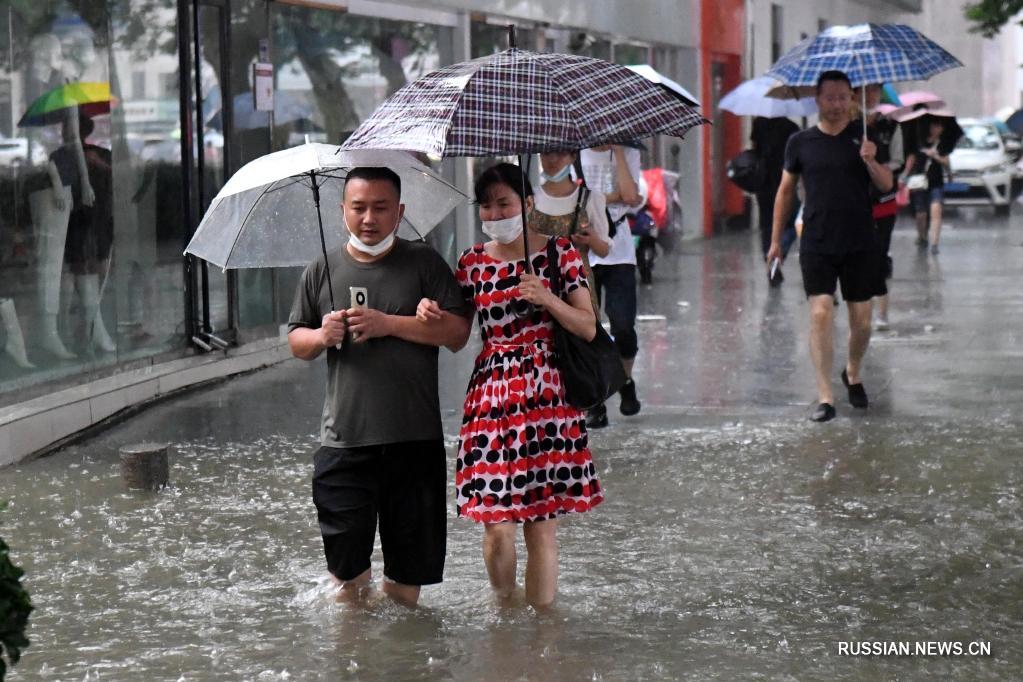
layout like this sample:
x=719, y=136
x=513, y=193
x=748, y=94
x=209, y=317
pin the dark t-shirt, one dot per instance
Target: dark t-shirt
x=383, y=390
x=837, y=214
x=925, y=164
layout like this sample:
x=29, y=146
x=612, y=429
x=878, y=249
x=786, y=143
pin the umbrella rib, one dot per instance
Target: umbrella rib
x=244, y=220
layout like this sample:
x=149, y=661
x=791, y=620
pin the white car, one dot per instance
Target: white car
x=14, y=152
x=985, y=161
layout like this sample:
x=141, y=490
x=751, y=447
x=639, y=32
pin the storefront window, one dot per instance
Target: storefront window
x=90, y=222
x=332, y=70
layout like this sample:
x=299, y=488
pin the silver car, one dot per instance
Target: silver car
x=984, y=163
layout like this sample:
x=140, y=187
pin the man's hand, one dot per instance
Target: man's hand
x=333, y=328
x=427, y=310
x=868, y=151
x=532, y=289
x=773, y=252
x=366, y=324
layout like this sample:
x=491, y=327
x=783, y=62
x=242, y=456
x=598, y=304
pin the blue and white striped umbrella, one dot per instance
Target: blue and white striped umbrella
x=866, y=53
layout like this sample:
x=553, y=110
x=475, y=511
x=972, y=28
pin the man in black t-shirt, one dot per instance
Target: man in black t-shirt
x=837, y=166
x=382, y=456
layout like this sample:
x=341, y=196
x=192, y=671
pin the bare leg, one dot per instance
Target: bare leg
x=859, y=338
x=822, y=318
x=406, y=595
x=541, y=562
x=499, y=556
x=935, y=222
x=355, y=591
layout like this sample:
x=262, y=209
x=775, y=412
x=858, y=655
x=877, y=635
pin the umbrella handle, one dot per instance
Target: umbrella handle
x=323, y=244
x=524, y=308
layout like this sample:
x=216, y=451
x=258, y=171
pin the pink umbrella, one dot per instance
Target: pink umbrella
x=909, y=113
x=886, y=109
x=913, y=97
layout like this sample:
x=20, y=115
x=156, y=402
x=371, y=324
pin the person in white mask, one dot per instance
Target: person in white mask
x=382, y=458
x=523, y=455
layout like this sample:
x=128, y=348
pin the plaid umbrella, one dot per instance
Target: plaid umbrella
x=866, y=53
x=519, y=102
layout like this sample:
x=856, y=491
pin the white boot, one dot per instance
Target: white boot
x=96, y=332
x=49, y=338
x=15, y=345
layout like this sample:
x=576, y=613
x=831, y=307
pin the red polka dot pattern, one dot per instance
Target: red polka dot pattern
x=523, y=452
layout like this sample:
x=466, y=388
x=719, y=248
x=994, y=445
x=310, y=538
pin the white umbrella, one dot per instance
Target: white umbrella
x=751, y=99
x=268, y=213
x=654, y=76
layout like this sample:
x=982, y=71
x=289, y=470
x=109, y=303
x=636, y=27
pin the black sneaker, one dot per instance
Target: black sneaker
x=597, y=417
x=630, y=403
x=825, y=412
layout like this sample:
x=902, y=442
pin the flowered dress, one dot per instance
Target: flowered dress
x=523, y=453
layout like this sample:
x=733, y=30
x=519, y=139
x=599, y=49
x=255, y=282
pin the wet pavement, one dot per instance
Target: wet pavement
x=738, y=539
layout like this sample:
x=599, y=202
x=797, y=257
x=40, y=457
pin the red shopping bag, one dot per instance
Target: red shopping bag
x=902, y=195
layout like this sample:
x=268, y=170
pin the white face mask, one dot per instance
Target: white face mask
x=371, y=249
x=503, y=231
x=557, y=177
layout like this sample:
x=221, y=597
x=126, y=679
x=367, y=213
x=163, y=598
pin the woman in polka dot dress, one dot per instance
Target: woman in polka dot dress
x=523, y=455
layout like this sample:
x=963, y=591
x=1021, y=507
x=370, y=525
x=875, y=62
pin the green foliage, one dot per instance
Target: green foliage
x=989, y=16
x=14, y=609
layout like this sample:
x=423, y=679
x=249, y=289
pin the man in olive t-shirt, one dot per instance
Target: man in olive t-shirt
x=382, y=455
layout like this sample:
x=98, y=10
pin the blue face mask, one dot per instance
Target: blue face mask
x=556, y=177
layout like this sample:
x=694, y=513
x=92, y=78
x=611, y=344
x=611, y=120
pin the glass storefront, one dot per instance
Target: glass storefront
x=91, y=223
x=121, y=119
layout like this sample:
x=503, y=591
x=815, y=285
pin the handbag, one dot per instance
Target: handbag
x=916, y=181
x=902, y=195
x=591, y=371
x=746, y=171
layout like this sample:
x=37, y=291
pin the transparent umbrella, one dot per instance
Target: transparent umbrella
x=268, y=214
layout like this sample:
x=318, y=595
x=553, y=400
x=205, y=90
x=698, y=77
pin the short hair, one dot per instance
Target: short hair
x=371, y=173
x=833, y=75
x=85, y=126
x=503, y=174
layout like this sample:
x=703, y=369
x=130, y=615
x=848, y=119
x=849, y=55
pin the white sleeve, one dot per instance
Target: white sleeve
x=595, y=211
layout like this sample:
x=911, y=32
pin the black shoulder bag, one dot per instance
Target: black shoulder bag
x=591, y=371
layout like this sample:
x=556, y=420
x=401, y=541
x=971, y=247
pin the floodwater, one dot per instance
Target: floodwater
x=731, y=550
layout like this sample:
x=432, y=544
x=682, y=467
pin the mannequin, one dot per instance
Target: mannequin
x=50, y=203
x=51, y=206
x=90, y=233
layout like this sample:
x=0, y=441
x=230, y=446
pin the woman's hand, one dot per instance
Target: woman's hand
x=428, y=310
x=531, y=288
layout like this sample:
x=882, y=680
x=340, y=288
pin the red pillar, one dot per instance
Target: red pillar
x=722, y=33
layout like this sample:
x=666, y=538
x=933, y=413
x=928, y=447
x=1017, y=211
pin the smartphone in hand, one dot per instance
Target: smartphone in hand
x=359, y=297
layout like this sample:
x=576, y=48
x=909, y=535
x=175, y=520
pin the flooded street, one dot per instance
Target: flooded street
x=737, y=540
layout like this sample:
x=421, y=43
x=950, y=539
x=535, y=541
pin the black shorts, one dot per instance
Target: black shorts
x=402, y=484
x=858, y=272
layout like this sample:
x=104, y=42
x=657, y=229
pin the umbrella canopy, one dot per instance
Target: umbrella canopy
x=914, y=97
x=1015, y=122
x=750, y=99
x=889, y=95
x=265, y=216
x=92, y=99
x=519, y=102
x=912, y=120
x=654, y=76
x=866, y=53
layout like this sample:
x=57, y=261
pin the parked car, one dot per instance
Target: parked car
x=14, y=152
x=985, y=160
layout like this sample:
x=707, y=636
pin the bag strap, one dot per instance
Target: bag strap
x=578, y=204
x=554, y=266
